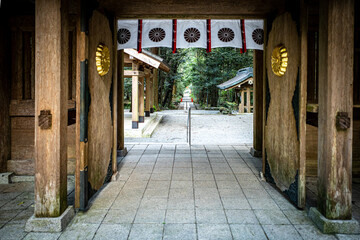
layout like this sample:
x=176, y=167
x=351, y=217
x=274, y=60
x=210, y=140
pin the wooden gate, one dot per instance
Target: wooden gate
x=99, y=118
x=284, y=120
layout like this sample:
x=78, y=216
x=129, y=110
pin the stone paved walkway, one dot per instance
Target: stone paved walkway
x=174, y=192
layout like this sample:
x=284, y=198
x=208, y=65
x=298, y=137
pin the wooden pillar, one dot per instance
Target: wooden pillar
x=152, y=94
x=51, y=73
x=241, y=107
x=148, y=94
x=248, y=100
x=336, y=58
x=135, y=98
x=141, y=99
x=258, y=102
x=120, y=99
x=115, y=102
x=155, y=82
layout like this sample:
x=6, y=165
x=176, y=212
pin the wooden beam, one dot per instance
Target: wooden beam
x=151, y=97
x=135, y=98
x=141, y=100
x=142, y=57
x=51, y=93
x=148, y=94
x=258, y=102
x=115, y=102
x=130, y=73
x=303, y=100
x=120, y=73
x=336, y=60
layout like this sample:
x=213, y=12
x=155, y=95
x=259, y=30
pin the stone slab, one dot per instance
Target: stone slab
x=5, y=178
x=56, y=224
x=333, y=226
x=255, y=153
x=122, y=152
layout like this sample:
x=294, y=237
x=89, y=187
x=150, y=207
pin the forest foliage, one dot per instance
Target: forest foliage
x=201, y=71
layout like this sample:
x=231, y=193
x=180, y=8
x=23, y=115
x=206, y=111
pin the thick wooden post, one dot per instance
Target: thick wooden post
x=120, y=118
x=51, y=73
x=258, y=103
x=135, y=98
x=148, y=94
x=141, y=100
x=336, y=59
x=241, y=106
x=115, y=102
x=248, y=100
x=156, y=88
x=152, y=94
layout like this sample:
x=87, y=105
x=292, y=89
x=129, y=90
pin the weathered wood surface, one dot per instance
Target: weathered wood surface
x=115, y=99
x=156, y=81
x=336, y=59
x=135, y=95
x=100, y=125
x=281, y=138
x=141, y=99
x=148, y=93
x=5, y=95
x=51, y=74
x=121, y=127
x=191, y=9
x=258, y=100
x=311, y=150
x=302, y=101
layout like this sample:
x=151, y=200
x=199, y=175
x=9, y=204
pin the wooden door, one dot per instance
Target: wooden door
x=283, y=165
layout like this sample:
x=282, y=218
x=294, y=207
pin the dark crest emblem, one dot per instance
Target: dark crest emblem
x=226, y=34
x=123, y=35
x=192, y=35
x=157, y=34
x=258, y=36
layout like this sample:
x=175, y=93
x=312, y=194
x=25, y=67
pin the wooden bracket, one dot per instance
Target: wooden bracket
x=45, y=119
x=342, y=121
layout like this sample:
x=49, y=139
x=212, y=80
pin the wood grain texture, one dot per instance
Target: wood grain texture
x=336, y=59
x=100, y=124
x=199, y=8
x=115, y=99
x=258, y=100
x=281, y=140
x=121, y=127
x=141, y=97
x=5, y=95
x=51, y=74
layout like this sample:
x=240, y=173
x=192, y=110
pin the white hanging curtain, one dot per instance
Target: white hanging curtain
x=157, y=33
x=127, y=34
x=226, y=33
x=254, y=32
x=191, y=33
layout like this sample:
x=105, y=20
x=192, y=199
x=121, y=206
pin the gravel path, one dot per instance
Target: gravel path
x=207, y=128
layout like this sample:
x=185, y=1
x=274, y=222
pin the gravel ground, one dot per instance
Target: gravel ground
x=208, y=127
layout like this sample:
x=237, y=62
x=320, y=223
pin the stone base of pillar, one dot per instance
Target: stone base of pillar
x=147, y=113
x=122, y=152
x=51, y=224
x=255, y=153
x=151, y=110
x=141, y=119
x=333, y=226
x=135, y=124
x=5, y=178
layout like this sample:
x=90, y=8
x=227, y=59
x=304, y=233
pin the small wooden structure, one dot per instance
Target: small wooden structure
x=243, y=84
x=142, y=66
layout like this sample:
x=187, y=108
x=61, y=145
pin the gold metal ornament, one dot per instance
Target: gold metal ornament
x=102, y=59
x=279, y=60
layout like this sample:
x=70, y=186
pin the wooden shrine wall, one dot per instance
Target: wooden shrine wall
x=4, y=94
x=312, y=95
x=22, y=105
x=99, y=119
x=282, y=126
